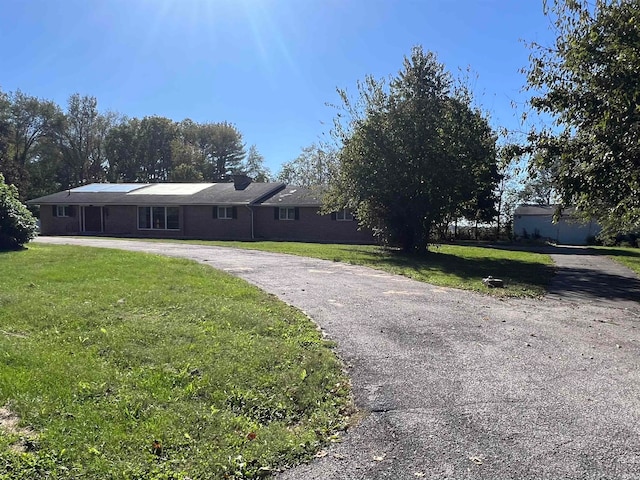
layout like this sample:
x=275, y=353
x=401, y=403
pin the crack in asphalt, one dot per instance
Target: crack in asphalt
x=445, y=376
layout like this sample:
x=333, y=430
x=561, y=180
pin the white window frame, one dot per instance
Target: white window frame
x=344, y=215
x=151, y=216
x=225, y=213
x=287, y=213
x=62, y=211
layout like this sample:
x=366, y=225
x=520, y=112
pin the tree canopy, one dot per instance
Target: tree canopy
x=416, y=154
x=313, y=167
x=589, y=82
x=44, y=148
x=254, y=167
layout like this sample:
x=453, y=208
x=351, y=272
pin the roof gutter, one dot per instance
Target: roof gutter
x=251, y=210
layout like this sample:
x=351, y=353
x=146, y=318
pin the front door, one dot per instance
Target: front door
x=93, y=219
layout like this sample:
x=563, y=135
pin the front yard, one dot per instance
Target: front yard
x=119, y=365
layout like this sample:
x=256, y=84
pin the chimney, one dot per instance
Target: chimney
x=241, y=181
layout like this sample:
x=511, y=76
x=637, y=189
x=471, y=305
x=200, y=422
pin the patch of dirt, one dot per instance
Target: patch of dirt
x=9, y=423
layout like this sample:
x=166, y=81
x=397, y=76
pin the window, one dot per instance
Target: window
x=62, y=211
x=173, y=218
x=144, y=217
x=287, y=213
x=344, y=215
x=158, y=218
x=225, y=213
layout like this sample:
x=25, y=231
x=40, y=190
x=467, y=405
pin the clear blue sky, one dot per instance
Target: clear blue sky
x=268, y=66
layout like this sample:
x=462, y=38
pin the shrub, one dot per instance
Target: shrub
x=17, y=224
x=593, y=240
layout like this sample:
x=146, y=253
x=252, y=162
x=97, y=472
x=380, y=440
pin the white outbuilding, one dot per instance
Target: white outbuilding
x=536, y=222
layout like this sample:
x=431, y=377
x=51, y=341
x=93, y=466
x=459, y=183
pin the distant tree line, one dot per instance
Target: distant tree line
x=44, y=149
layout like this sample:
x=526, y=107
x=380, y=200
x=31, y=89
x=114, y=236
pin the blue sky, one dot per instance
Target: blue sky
x=268, y=66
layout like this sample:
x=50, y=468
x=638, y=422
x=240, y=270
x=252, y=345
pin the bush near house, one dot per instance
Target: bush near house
x=17, y=225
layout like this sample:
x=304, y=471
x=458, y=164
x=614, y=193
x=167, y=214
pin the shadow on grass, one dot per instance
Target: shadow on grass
x=13, y=250
x=513, y=271
x=565, y=250
x=615, y=252
x=544, y=249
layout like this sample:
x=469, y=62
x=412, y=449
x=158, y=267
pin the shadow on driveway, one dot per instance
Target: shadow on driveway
x=592, y=285
x=586, y=275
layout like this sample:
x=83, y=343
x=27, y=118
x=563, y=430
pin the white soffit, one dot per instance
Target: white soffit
x=172, y=189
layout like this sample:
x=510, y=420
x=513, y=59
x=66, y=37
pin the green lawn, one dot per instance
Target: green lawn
x=526, y=274
x=627, y=256
x=104, y=352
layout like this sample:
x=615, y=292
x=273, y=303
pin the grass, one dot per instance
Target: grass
x=526, y=274
x=627, y=256
x=106, y=352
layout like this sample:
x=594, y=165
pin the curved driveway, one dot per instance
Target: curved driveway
x=454, y=384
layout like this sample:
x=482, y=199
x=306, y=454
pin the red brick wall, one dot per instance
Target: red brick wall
x=50, y=225
x=198, y=222
x=310, y=227
x=120, y=220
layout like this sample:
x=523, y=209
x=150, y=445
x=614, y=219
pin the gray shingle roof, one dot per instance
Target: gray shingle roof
x=153, y=194
x=292, y=196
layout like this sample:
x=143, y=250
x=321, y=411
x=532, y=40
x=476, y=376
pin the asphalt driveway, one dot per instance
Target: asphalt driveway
x=457, y=385
x=586, y=278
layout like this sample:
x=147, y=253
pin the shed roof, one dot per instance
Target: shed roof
x=528, y=209
x=161, y=194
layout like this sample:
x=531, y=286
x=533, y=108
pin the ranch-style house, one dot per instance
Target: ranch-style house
x=238, y=210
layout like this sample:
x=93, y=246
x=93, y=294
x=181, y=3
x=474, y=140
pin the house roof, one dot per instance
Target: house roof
x=161, y=194
x=292, y=196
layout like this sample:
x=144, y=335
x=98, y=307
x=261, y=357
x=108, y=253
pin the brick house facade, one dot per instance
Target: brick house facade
x=242, y=210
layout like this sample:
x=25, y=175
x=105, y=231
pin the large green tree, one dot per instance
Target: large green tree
x=315, y=166
x=415, y=153
x=188, y=160
x=539, y=187
x=28, y=121
x=588, y=81
x=254, y=166
x=154, y=155
x=82, y=139
x=223, y=150
x=140, y=150
x=121, y=147
x=5, y=130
